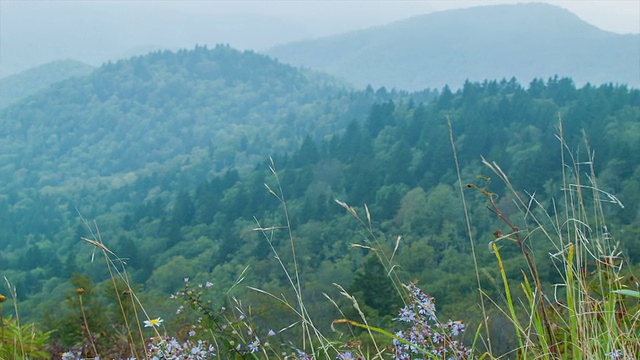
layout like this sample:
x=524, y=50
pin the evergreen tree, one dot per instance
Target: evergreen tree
x=376, y=288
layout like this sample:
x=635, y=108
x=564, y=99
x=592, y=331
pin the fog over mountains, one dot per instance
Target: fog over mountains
x=525, y=40
x=488, y=42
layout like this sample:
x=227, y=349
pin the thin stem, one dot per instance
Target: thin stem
x=2, y=299
x=530, y=265
x=469, y=232
x=86, y=324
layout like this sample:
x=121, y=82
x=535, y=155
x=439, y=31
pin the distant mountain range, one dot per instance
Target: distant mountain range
x=28, y=82
x=488, y=42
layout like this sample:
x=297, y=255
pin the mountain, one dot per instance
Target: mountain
x=488, y=42
x=176, y=117
x=28, y=82
x=134, y=138
x=199, y=106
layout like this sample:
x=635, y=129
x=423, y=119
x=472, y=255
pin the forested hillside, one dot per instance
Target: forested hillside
x=483, y=42
x=169, y=154
x=135, y=133
x=137, y=130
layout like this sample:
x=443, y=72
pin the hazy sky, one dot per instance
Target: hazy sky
x=622, y=16
x=36, y=32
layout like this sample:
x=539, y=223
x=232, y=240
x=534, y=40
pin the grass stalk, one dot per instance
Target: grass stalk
x=2, y=300
x=485, y=317
x=507, y=291
x=309, y=330
x=14, y=295
x=525, y=252
x=80, y=291
x=571, y=300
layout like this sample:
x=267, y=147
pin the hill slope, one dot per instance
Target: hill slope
x=28, y=82
x=168, y=113
x=494, y=42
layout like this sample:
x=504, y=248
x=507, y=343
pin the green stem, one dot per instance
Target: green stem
x=512, y=310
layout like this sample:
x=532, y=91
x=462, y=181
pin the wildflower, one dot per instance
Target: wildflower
x=457, y=327
x=300, y=356
x=254, y=346
x=615, y=354
x=400, y=335
x=169, y=348
x=208, y=284
x=426, y=333
x=437, y=338
x=68, y=356
x=345, y=356
x=192, y=333
x=153, y=322
x=406, y=314
x=195, y=350
x=271, y=333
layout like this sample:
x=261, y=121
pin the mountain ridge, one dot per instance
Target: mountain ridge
x=487, y=42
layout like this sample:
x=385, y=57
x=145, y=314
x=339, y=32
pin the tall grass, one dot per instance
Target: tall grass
x=588, y=315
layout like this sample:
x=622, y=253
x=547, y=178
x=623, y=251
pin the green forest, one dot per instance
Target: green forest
x=174, y=159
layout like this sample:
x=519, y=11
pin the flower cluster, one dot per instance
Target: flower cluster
x=426, y=333
x=301, y=355
x=227, y=327
x=77, y=355
x=168, y=348
x=193, y=298
x=345, y=356
x=70, y=355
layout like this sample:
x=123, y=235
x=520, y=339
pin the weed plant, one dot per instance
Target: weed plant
x=593, y=313
x=18, y=341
